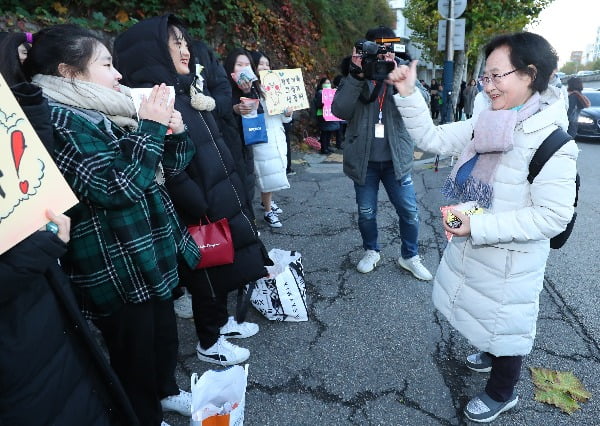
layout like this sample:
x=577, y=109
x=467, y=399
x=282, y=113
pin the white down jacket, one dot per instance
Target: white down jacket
x=488, y=284
x=270, y=159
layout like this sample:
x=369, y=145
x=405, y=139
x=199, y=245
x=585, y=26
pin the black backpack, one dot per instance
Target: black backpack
x=546, y=150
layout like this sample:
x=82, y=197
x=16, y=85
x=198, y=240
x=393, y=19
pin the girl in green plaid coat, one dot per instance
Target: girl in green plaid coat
x=126, y=238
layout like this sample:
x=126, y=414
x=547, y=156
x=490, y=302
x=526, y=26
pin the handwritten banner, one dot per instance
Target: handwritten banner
x=30, y=182
x=283, y=89
x=327, y=99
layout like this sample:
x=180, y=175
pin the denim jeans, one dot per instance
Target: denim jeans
x=402, y=196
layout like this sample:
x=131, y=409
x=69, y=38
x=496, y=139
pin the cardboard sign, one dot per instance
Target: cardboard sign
x=327, y=99
x=30, y=182
x=284, y=89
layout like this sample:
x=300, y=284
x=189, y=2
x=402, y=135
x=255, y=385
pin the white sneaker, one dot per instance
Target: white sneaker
x=163, y=423
x=368, y=262
x=414, y=266
x=234, y=329
x=181, y=403
x=223, y=353
x=272, y=219
x=183, y=305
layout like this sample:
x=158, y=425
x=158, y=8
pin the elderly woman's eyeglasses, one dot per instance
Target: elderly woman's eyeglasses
x=484, y=80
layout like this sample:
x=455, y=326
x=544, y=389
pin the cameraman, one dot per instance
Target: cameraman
x=379, y=149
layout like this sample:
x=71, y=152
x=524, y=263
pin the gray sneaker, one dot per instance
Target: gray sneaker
x=480, y=362
x=415, y=267
x=483, y=409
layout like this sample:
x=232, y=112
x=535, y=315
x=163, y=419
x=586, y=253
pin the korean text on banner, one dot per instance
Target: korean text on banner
x=327, y=99
x=283, y=89
x=30, y=182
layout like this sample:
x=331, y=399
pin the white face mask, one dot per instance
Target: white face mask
x=326, y=86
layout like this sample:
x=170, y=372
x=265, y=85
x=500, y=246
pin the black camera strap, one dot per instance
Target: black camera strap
x=378, y=85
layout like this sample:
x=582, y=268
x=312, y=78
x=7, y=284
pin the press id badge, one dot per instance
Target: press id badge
x=379, y=130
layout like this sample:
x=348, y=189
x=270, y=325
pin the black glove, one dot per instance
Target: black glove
x=355, y=70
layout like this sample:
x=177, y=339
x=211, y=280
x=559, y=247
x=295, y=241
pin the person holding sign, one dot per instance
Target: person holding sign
x=126, y=237
x=47, y=349
x=44, y=338
x=327, y=128
x=270, y=159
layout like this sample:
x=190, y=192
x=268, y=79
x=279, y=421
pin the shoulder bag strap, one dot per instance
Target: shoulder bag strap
x=551, y=144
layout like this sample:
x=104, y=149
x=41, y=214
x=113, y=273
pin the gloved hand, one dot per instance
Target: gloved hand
x=356, y=71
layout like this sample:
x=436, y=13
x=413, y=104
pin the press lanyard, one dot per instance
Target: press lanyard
x=381, y=99
x=379, y=127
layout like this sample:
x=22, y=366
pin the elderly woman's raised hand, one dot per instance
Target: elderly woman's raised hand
x=404, y=78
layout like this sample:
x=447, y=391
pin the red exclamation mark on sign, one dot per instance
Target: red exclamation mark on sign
x=17, y=141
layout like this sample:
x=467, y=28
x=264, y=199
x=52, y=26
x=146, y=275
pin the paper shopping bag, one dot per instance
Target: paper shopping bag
x=282, y=296
x=215, y=243
x=255, y=129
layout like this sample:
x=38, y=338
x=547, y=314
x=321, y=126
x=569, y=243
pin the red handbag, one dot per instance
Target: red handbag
x=214, y=241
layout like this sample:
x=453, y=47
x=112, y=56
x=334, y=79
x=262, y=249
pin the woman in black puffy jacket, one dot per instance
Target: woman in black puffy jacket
x=210, y=187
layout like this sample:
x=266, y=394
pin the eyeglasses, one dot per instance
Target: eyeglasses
x=484, y=80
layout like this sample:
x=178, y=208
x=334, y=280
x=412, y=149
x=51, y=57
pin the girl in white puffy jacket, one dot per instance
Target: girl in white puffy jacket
x=270, y=159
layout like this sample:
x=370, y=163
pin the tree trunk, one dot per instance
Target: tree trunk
x=478, y=65
x=459, y=71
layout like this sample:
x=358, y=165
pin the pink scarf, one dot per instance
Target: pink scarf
x=492, y=136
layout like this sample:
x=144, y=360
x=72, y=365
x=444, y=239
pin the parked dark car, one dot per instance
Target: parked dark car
x=589, y=118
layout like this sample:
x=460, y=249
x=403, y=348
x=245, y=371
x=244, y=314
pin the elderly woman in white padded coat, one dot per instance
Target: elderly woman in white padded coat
x=492, y=271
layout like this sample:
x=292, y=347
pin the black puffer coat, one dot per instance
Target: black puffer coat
x=210, y=186
x=52, y=371
x=216, y=85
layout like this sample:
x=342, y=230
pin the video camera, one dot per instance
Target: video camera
x=374, y=68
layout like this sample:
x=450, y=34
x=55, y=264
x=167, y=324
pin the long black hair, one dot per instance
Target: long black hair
x=257, y=55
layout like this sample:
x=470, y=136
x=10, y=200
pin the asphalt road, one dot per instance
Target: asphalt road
x=374, y=351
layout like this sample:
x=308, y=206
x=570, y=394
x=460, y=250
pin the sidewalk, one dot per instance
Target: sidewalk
x=374, y=351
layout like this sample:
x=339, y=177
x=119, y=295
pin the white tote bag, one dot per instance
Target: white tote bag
x=282, y=296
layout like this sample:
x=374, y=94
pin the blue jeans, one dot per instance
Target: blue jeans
x=402, y=195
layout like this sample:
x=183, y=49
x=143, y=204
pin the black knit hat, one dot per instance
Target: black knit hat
x=380, y=32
